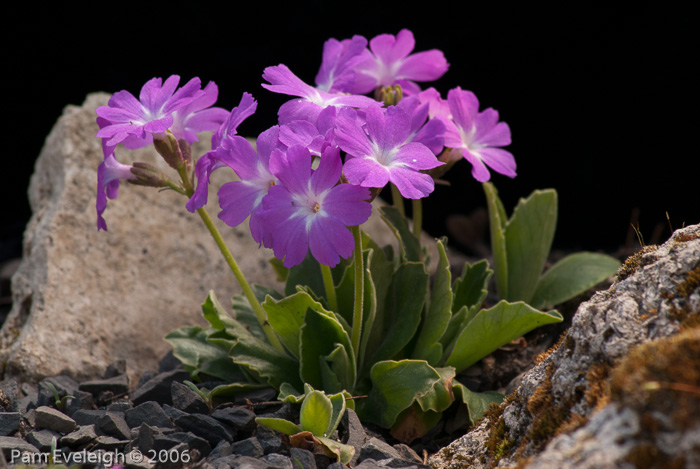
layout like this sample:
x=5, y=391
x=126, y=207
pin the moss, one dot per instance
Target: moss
x=597, y=394
x=662, y=376
x=544, y=355
x=646, y=455
x=499, y=443
x=635, y=261
x=690, y=283
x=684, y=238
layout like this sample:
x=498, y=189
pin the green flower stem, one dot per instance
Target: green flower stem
x=330, y=288
x=359, y=290
x=242, y=281
x=245, y=286
x=397, y=199
x=417, y=217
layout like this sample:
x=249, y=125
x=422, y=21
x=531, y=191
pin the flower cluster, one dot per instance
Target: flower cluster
x=313, y=174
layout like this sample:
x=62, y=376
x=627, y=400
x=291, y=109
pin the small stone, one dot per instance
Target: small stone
x=149, y=412
x=117, y=385
x=206, y=427
x=193, y=442
x=169, y=363
x=114, y=425
x=246, y=462
x=173, y=412
x=248, y=447
x=119, y=406
x=185, y=399
x=42, y=439
x=115, y=369
x=88, y=416
x=377, y=449
x=146, y=437
x=279, y=461
x=9, y=423
x=256, y=396
x=240, y=418
x=9, y=445
x=52, y=419
x=9, y=392
x=302, y=458
x=336, y=465
x=137, y=460
x=355, y=434
x=407, y=453
x=109, y=443
x=369, y=464
x=83, y=435
x=221, y=450
x=158, y=387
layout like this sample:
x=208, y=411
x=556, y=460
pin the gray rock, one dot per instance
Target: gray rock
x=607, y=390
x=158, y=387
x=239, y=418
x=114, y=425
x=88, y=416
x=355, y=434
x=83, y=435
x=248, y=447
x=43, y=439
x=186, y=400
x=206, y=427
x=302, y=458
x=16, y=449
x=117, y=385
x=277, y=461
x=377, y=449
x=9, y=423
x=9, y=393
x=52, y=419
x=246, y=462
x=150, y=413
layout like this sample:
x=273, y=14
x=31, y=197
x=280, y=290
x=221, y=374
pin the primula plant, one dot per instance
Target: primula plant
x=356, y=320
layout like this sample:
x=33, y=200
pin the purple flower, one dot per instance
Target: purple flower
x=391, y=63
x=337, y=74
x=239, y=199
x=381, y=154
x=198, y=116
x=430, y=133
x=109, y=173
x=477, y=134
x=310, y=210
x=133, y=122
x=210, y=162
x=312, y=101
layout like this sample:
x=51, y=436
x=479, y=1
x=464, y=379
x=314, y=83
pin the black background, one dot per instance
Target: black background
x=598, y=98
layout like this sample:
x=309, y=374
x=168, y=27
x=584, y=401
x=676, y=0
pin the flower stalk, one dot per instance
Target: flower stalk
x=359, y=290
x=330, y=288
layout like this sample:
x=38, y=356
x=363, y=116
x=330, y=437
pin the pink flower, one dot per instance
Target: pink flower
x=310, y=210
x=392, y=63
x=478, y=135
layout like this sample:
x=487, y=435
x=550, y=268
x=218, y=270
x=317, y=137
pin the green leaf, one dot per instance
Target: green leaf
x=316, y=413
x=244, y=313
x=408, y=243
x=470, y=288
x=571, y=276
x=192, y=348
x=338, y=369
x=476, y=402
x=308, y=274
x=215, y=314
x=402, y=313
x=279, y=268
x=458, y=322
x=259, y=358
x=437, y=315
x=339, y=402
x=494, y=327
x=497, y=224
x=342, y=451
x=529, y=236
x=320, y=336
x=280, y=425
x=230, y=390
x=286, y=316
x=395, y=386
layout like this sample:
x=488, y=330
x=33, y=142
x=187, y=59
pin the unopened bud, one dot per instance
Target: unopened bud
x=168, y=147
x=148, y=175
x=390, y=95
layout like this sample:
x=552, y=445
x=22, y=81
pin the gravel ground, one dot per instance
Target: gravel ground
x=161, y=422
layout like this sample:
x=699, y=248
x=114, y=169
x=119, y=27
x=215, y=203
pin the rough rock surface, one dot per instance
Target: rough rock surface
x=621, y=388
x=83, y=299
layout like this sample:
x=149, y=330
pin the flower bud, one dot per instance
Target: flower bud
x=168, y=147
x=148, y=175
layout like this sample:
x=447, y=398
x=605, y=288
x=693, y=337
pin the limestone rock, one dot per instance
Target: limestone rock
x=82, y=298
x=621, y=388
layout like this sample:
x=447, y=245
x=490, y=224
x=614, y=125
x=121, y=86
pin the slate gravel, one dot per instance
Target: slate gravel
x=161, y=422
